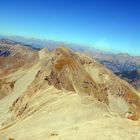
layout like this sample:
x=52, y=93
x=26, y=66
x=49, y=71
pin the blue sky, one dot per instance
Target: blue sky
x=105, y=24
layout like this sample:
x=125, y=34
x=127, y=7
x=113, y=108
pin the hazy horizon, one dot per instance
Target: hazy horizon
x=23, y=39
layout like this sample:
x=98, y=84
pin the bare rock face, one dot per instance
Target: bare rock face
x=68, y=71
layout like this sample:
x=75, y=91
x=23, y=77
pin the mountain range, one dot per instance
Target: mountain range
x=63, y=94
x=118, y=63
x=132, y=77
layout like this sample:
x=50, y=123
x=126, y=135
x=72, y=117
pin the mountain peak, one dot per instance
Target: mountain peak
x=62, y=89
x=67, y=71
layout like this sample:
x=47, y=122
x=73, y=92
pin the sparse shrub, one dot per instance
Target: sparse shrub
x=61, y=63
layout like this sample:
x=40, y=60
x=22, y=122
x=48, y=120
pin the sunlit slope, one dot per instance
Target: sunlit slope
x=70, y=96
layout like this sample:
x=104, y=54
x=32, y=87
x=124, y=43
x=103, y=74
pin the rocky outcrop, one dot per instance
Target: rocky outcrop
x=43, y=53
x=5, y=87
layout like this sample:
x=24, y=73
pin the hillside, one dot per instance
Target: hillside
x=14, y=55
x=67, y=95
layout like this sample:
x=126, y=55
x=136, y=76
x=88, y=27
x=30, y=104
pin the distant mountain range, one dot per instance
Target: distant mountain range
x=118, y=62
x=132, y=77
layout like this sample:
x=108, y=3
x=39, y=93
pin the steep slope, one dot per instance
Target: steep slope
x=11, y=48
x=14, y=55
x=22, y=79
x=123, y=65
x=71, y=96
x=66, y=70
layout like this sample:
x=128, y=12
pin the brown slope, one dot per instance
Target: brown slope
x=14, y=55
x=68, y=71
